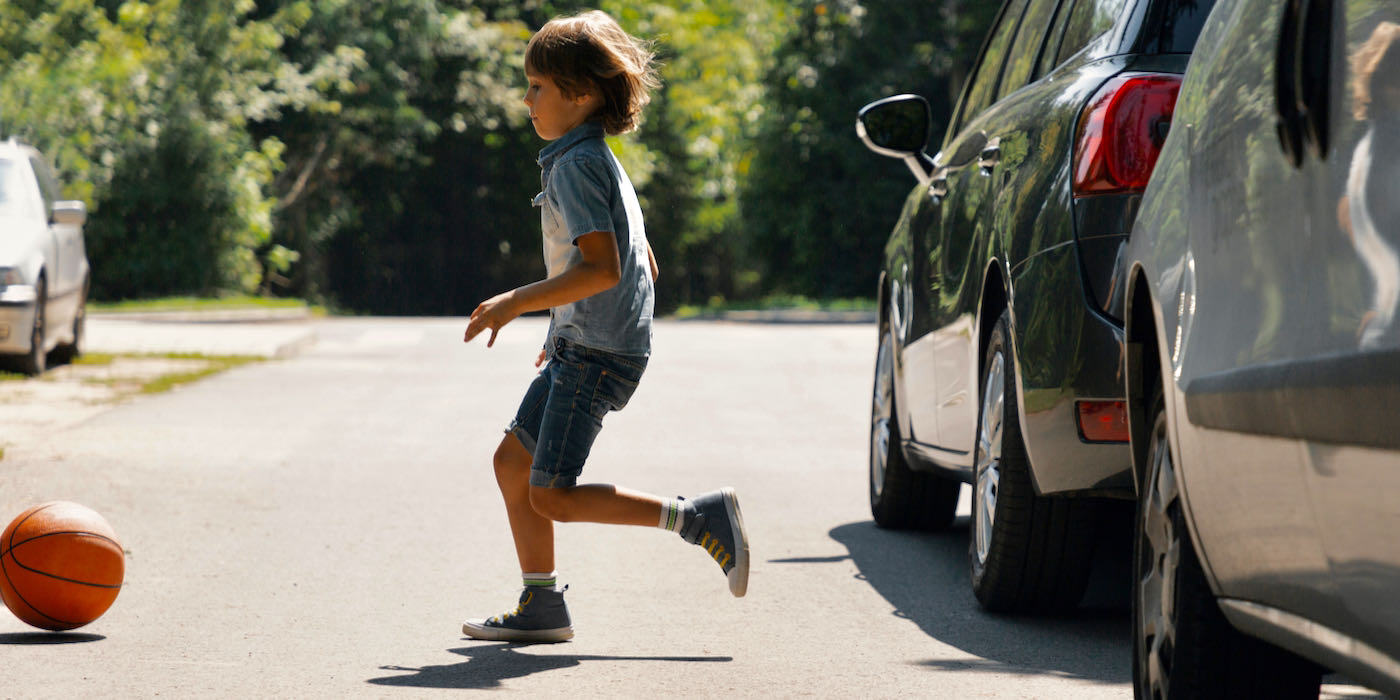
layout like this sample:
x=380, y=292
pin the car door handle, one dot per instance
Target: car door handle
x=1301, y=81
x=938, y=186
x=1314, y=61
x=990, y=156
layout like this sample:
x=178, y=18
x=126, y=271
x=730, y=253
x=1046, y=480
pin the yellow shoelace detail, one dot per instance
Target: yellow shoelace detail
x=500, y=619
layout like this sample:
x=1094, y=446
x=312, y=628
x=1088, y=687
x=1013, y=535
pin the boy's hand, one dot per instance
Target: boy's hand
x=493, y=314
x=540, y=360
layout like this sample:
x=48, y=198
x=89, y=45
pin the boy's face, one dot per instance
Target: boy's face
x=551, y=112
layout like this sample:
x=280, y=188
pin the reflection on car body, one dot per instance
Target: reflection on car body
x=1263, y=359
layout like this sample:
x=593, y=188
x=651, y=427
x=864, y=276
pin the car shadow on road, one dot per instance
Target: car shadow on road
x=925, y=578
x=489, y=664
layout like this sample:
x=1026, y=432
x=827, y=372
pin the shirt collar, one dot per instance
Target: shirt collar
x=582, y=132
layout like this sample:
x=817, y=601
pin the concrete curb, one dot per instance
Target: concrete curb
x=787, y=316
x=251, y=315
x=264, y=334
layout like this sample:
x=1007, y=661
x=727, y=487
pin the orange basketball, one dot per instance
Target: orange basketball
x=61, y=566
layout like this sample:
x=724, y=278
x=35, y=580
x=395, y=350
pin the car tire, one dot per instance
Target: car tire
x=1183, y=647
x=35, y=361
x=901, y=498
x=1027, y=553
x=67, y=352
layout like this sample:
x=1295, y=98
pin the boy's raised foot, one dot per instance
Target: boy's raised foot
x=718, y=528
x=541, y=616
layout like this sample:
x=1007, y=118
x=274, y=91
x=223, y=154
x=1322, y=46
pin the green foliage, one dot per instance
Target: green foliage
x=138, y=107
x=817, y=205
x=376, y=155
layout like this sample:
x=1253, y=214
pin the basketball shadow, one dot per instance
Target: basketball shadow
x=490, y=664
x=37, y=638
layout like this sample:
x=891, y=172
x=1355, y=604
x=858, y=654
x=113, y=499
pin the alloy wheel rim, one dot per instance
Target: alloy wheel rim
x=988, y=464
x=881, y=410
x=1160, y=556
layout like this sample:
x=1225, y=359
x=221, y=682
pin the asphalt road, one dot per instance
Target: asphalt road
x=319, y=526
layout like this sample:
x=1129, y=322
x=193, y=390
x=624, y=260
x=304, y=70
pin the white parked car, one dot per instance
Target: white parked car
x=44, y=269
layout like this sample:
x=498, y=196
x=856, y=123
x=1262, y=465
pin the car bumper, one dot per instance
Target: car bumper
x=1066, y=353
x=16, y=318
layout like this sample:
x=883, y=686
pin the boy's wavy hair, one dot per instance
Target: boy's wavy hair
x=1379, y=55
x=590, y=51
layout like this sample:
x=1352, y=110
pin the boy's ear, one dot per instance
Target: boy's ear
x=586, y=98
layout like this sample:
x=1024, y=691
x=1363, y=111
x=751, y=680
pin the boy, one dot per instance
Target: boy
x=587, y=77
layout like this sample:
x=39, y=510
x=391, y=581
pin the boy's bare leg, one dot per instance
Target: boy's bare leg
x=596, y=503
x=533, y=533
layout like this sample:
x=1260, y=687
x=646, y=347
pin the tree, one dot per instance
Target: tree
x=817, y=205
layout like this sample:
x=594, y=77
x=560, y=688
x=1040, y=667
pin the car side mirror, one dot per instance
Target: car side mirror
x=898, y=127
x=72, y=212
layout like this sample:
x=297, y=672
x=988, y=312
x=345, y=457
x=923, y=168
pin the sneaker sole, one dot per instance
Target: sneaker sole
x=739, y=575
x=478, y=630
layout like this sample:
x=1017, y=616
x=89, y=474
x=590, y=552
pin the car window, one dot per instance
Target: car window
x=1052, y=41
x=48, y=188
x=1173, y=26
x=1026, y=48
x=1088, y=21
x=984, y=81
x=15, y=197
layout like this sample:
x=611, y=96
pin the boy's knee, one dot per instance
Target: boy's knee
x=511, y=461
x=552, y=503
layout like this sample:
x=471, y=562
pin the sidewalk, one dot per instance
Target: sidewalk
x=253, y=332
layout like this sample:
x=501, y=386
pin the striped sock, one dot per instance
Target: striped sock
x=674, y=514
x=541, y=580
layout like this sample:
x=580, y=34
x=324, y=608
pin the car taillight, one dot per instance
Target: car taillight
x=1103, y=421
x=1121, y=133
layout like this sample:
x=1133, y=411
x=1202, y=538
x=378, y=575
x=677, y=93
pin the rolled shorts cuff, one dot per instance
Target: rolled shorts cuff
x=553, y=480
x=522, y=435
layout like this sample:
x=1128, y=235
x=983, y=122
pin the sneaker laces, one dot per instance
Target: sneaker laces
x=519, y=608
x=526, y=597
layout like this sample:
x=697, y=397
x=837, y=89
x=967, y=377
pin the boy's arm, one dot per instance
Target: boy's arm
x=599, y=270
x=651, y=260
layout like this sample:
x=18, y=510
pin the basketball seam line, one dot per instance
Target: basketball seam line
x=21, y=597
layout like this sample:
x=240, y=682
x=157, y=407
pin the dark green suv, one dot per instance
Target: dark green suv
x=1000, y=324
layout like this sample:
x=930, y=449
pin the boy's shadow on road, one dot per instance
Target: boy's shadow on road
x=489, y=664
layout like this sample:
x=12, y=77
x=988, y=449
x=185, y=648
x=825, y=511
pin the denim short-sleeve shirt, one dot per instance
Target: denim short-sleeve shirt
x=585, y=189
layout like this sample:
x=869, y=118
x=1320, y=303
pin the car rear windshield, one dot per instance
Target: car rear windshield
x=1173, y=25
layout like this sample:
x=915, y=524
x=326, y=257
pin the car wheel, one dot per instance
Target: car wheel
x=70, y=351
x=1183, y=647
x=900, y=497
x=34, y=363
x=1027, y=553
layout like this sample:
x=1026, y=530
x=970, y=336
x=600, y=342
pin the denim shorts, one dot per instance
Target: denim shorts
x=563, y=409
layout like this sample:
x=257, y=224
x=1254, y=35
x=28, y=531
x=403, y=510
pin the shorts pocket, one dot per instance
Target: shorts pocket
x=615, y=390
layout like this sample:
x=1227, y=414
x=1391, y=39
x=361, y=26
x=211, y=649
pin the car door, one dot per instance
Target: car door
x=1273, y=342
x=65, y=268
x=1354, y=194
x=1010, y=187
x=948, y=241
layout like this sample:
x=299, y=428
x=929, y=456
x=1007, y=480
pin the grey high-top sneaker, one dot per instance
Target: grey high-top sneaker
x=541, y=616
x=718, y=528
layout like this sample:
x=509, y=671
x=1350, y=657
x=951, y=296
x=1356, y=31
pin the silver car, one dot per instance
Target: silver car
x=44, y=268
x=1262, y=362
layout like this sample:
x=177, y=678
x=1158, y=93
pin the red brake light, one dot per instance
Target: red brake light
x=1103, y=421
x=1121, y=133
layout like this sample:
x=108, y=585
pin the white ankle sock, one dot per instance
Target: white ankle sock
x=674, y=513
x=549, y=580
